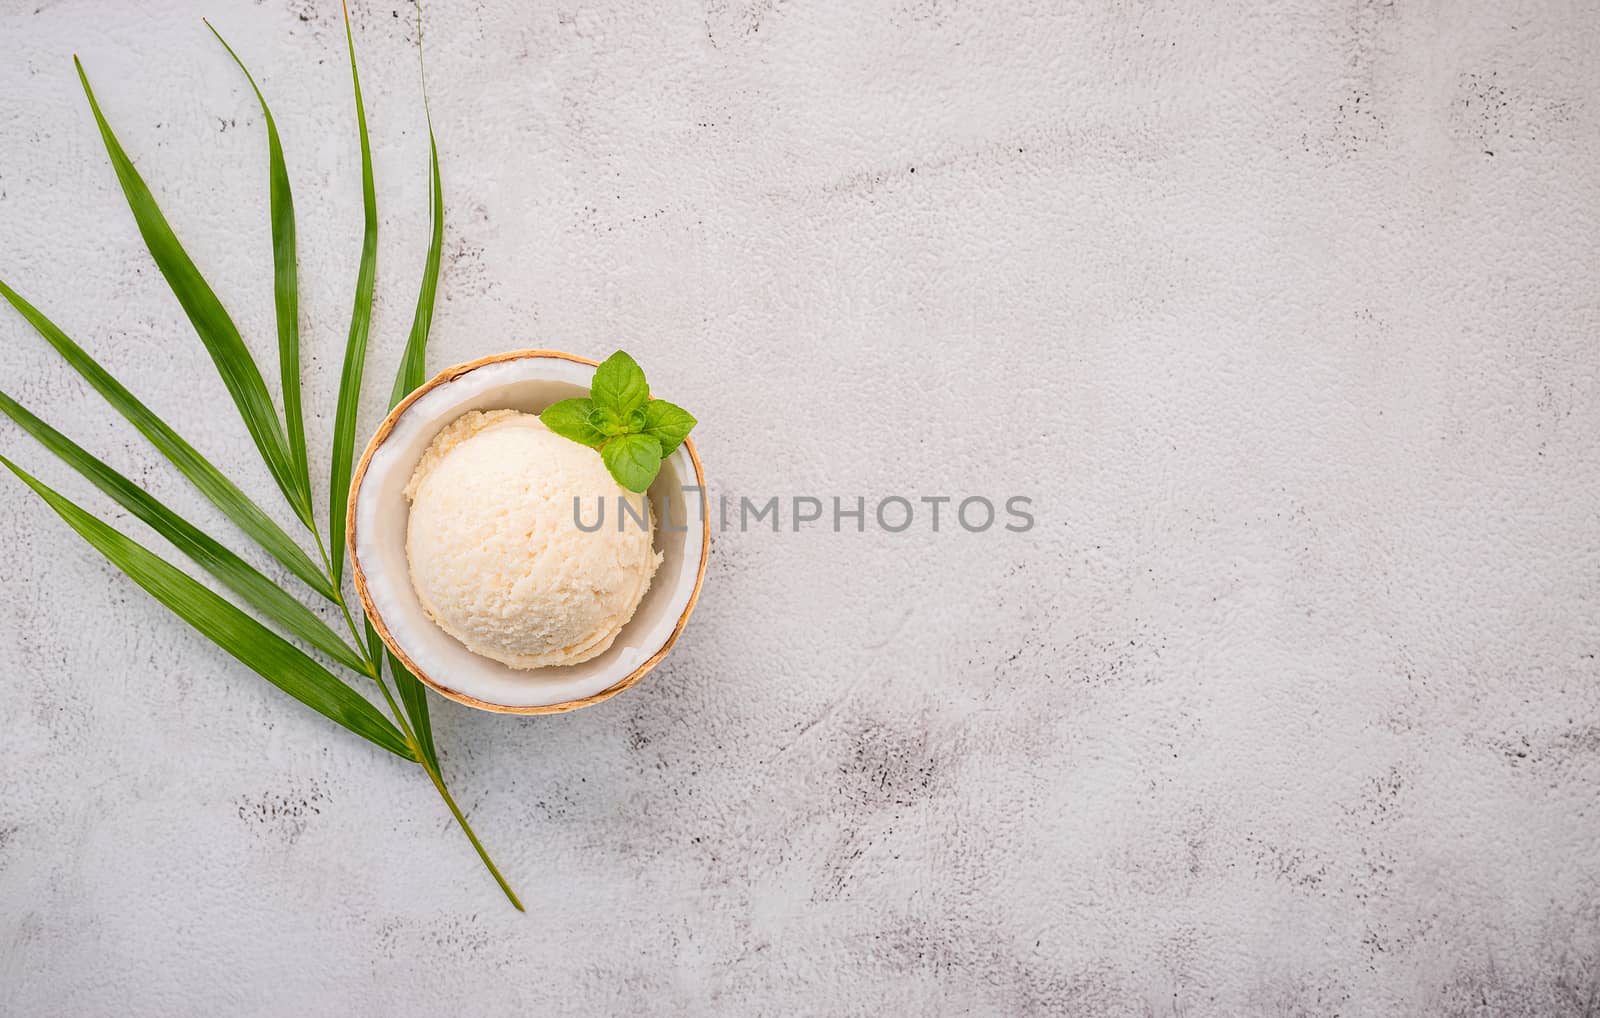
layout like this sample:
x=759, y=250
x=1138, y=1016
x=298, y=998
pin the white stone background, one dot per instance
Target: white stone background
x=1284, y=314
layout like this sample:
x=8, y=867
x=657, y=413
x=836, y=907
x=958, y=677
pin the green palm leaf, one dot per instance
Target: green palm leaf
x=413, y=362
x=374, y=642
x=268, y=654
x=412, y=371
x=222, y=493
x=414, y=698
x=355, y=351
x=410, y=733
x=238, y=575
x=210, y=320
x=285, y=288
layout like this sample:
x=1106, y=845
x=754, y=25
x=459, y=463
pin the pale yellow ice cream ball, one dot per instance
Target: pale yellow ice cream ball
x=496, y=557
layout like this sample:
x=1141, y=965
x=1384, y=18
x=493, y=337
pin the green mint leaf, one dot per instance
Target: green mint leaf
x=668, y=424
x=619, y=385
x=570, y=419
x=608, y=422
x=634, y=460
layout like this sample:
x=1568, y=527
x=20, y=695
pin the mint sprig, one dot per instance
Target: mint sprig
x=633, y=432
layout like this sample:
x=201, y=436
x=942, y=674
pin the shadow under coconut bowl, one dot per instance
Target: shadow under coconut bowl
x=529, y=381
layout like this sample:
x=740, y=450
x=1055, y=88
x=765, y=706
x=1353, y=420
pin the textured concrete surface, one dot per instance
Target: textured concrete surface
x=1285, y=315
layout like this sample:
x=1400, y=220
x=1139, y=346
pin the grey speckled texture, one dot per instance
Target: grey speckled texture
x=1285, y=314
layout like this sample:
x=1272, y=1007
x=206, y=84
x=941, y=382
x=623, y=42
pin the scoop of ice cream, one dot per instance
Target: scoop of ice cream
x=496, y=557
